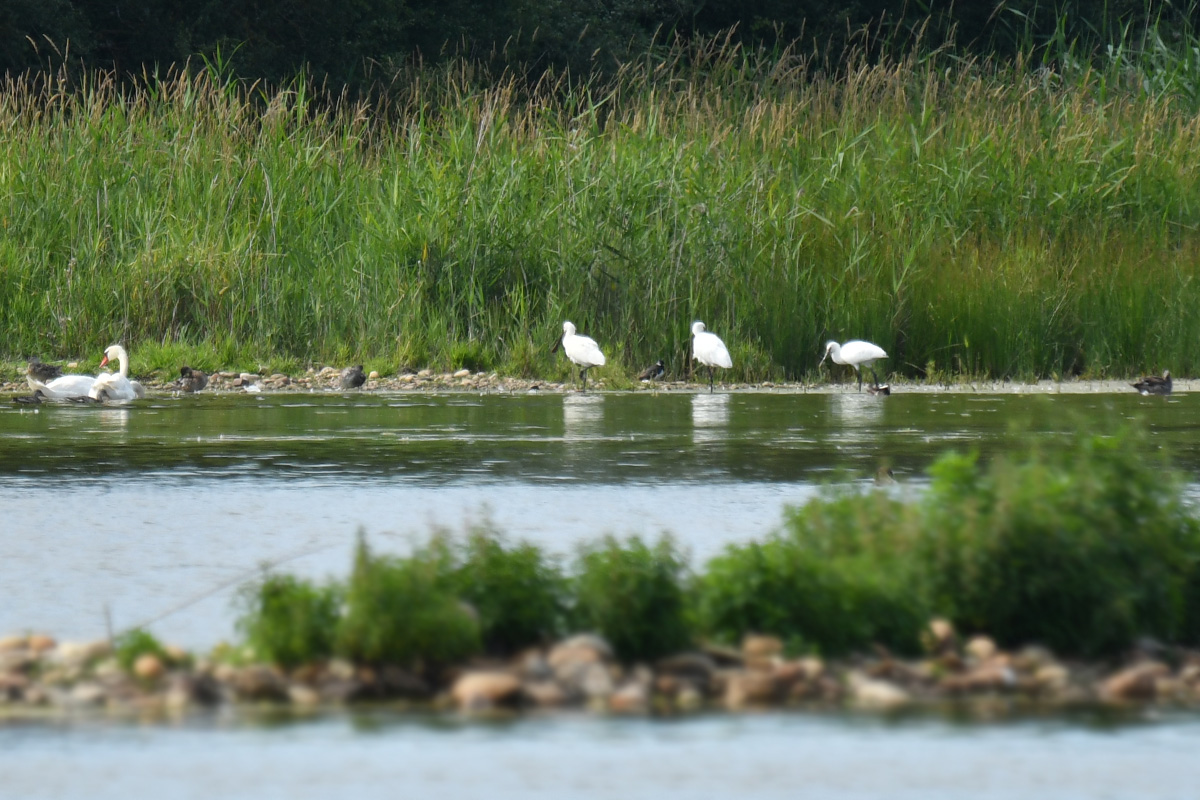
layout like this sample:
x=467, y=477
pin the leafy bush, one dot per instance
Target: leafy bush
x=399, y=612
x=517, y=592
x=839, y=577
x=288, y=620
x=1081, y=549
x=133, y=644
x=634, y=596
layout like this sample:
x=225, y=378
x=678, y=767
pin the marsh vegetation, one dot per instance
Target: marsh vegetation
x=970, y=216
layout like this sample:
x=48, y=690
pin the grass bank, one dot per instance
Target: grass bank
x=972, y=218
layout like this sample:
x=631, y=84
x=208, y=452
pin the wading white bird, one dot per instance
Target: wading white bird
x=1152, y=384
x=116, y=388
x=582, y=350
x=709, y=350
x=857, y=354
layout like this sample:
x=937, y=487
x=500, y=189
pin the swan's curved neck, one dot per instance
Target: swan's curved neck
x=122, y=362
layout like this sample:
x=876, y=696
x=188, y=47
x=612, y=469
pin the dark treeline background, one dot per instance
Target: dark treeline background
x=353, y=43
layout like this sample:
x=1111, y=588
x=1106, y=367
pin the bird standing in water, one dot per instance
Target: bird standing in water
x=709, y=350
x=581, y=350
x=857, y=354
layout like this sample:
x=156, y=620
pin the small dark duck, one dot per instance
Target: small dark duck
x=30, y=399
x=191, y=380
x=1152, y=384
x=882, y=388
x=353, y=377
x=652, y=372
x=40, y=370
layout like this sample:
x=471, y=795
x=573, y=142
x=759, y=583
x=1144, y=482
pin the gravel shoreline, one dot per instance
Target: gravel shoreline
x=43, y=678
x=326, y=380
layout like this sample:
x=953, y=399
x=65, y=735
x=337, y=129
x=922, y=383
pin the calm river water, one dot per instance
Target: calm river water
x=144, y=509
x=157, y=512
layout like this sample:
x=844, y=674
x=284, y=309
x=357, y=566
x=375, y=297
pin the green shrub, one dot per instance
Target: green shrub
x=288, y=620
x=517, y=592
x=130, y=645
x=1081, y=549
x=398, y=611
x=634, y=596
x=839, y=577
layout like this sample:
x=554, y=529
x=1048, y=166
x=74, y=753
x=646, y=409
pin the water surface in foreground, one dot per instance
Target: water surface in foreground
x=144, y=509
x=768, y=756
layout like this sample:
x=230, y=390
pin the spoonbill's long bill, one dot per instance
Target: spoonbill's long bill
x=857, y=354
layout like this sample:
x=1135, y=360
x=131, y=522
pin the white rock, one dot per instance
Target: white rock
x=981, y=648
x=480, y=690
x=86, y=694
x=875, y=694
x=76, y=654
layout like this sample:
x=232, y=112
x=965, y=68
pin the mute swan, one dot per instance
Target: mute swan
x=855, y=353
x=652, y=372
x=66, y=387
x=709, y=350
x=191, y=380
x=115, y=388
x=353, y=377
x=582, y=350
x=1153, y=384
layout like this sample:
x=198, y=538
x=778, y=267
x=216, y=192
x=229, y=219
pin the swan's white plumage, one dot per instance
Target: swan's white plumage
x=64, y=388
x=115, y=387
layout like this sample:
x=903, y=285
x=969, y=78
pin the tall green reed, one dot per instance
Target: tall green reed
x=980, y=218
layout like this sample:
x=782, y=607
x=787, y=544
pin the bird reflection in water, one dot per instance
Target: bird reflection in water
x=113, y=417
x=710, y=417
x=856, y=410
x=583, y=415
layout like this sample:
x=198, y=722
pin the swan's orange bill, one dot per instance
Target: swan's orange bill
x=104, y=361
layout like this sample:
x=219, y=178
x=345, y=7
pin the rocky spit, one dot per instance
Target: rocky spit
x=327, y=379
x=40, y=677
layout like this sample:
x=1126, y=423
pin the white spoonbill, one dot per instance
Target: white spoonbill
x=857, y=354
x=709, y=350
x=582, y=350
x=116, y=388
